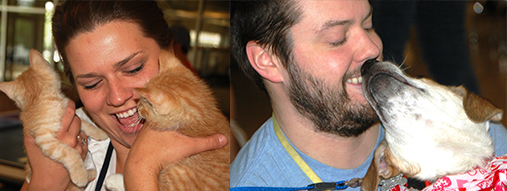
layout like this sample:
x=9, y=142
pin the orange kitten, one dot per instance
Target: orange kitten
x=177, y=100
x=37, y=93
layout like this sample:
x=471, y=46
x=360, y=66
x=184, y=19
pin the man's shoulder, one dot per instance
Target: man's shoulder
x=499, y=135
x=262, y=161
x=252, y=157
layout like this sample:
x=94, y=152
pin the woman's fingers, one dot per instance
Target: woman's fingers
x=82, y=144
x=70, y=110
x=209, y=143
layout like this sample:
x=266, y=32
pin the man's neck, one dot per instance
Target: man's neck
x=332, y=150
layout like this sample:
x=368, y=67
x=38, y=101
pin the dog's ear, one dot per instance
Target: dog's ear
x=372, y=178
x=477, y=108
x=381, y=166
x=460, y=90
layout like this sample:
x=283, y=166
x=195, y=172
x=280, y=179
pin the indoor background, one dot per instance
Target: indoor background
x=25, y=25
x=486, y=41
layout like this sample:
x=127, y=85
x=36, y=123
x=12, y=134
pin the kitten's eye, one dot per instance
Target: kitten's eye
x=135, y=70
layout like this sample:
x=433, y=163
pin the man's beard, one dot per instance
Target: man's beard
x=330, y=109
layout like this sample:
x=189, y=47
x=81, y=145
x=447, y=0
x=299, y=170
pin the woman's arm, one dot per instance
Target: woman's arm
x=161, y=148
x=48, y=174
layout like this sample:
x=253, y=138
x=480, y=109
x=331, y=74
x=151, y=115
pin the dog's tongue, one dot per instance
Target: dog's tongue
x=128, y=121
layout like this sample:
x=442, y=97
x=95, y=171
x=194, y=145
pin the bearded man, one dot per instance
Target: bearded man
x=307, y=56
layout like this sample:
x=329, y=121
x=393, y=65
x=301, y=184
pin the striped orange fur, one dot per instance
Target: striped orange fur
x=37, y=93
x=177, y=100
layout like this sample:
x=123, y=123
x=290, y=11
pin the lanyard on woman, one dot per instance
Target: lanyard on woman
x=105, y=166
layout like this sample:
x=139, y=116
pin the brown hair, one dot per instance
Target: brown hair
x=267, y=23
x=75, y=17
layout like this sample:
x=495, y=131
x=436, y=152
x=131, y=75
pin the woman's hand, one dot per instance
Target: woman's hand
x=153, y=149
x=48, y=174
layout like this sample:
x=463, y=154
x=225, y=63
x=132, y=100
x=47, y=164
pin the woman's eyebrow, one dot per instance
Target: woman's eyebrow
x=127, y=59
x=89, y=75
x=116, y=65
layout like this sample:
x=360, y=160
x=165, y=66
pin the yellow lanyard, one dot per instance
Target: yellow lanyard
x=295, y=156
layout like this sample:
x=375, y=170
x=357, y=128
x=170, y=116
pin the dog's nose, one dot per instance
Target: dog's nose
x=367, y=65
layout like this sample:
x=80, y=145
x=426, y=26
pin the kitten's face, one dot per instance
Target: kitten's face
x=108, y=64
x=38, y=79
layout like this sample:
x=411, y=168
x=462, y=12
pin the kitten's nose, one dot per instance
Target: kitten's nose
x=365, y=69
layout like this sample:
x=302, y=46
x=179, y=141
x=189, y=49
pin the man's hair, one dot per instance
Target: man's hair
x=267, y=23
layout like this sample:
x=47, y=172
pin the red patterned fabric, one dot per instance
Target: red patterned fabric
x=493, y=177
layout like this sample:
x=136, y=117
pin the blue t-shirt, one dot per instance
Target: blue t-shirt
x=264, y=162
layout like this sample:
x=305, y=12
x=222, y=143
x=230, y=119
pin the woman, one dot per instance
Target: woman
x=108, y=49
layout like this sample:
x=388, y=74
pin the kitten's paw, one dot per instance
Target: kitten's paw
x=115, y=182
x=92, y=174
x=92, y=131
x=98, y=135
x=80, y=179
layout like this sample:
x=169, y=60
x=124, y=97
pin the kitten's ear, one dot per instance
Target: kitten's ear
x=144, y=92
x=156, y=99
x=168, y=60
x=151, y=95
x=36, y=59
x=8, y=88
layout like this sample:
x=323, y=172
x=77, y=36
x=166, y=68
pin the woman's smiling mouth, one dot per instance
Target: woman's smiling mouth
x=129, y=121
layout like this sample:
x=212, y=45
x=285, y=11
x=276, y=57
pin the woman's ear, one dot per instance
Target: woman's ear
x=266, y=64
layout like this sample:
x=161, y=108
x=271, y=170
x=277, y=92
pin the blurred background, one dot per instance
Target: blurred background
x=482, y=46
x=25, y=24
x=201, y=28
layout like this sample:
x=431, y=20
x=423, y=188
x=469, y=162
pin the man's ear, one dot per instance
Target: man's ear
x=264, y=62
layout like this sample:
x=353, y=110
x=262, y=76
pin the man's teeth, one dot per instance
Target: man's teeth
x=355, y=80
x=127, y=113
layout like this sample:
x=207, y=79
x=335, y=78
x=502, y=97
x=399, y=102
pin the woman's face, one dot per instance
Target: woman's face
x=108, y=64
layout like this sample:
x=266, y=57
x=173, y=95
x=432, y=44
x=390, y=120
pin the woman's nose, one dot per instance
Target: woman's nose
x=118, y=94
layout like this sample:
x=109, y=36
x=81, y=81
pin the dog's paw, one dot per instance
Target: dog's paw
x=115, y=182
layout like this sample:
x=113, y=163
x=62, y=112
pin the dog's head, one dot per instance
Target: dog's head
x=431, y=129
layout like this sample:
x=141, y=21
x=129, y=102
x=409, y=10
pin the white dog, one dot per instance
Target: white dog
x=431, y=130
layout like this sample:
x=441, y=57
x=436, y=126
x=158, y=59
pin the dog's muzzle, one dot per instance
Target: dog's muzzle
x=382, y=81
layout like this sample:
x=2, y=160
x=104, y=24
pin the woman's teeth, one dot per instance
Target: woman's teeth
x=126, y=113
x=355, y=80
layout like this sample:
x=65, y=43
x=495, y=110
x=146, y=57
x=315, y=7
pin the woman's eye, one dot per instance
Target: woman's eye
x=91, y=86
x=135, y=70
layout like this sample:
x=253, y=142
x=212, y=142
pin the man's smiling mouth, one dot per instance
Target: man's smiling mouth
x=355, y=80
